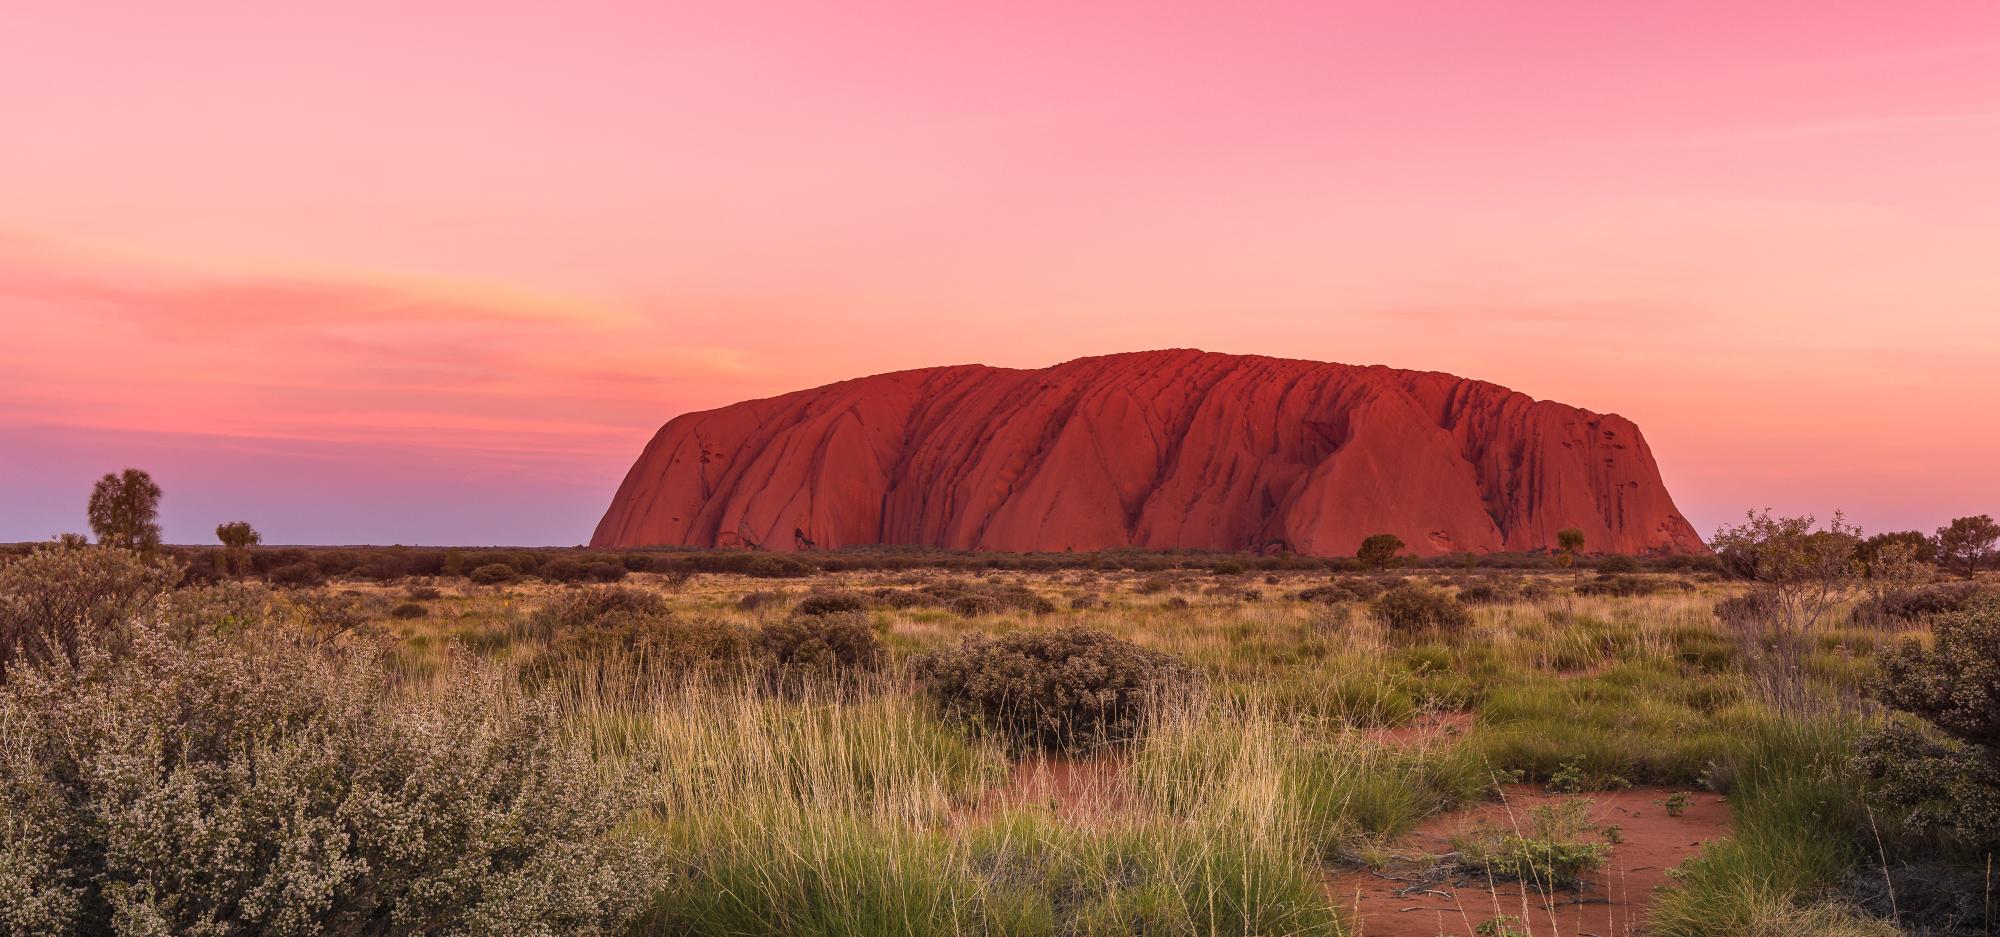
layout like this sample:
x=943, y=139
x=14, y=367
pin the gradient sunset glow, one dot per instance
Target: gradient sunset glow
x=371, y=272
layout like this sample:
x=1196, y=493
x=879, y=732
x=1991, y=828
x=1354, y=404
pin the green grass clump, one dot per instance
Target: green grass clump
x=1799, y=821
x=1553, y=849
x=1628, y=724
x=1018, y=873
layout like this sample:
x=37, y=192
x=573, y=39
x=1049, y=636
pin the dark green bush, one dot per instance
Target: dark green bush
x=830, y=603
x=897, y=598
x=1622, y=585
x=1954, y=685
x=1914, y=605
x=973, y=599
x=563, y=570
x=1485, y=593
x=752, y=601
x=1421, y=610
x=492, y=574
x=1617, y=564
x=1328, y=594
x=1749, y=611
x=1946, y=791
x=1940, y=792
x=604, y=572
x=1061, y=689
x=601, y=607
x=408, y=610
x=639, y=653
x=621, y=636
x=1368, y=587
x=776, y=566
x=380, y=568
x=296, y=576
x=830, y=649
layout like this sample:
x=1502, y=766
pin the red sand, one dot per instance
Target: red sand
x=1612, y=903
x=1159, y=450
x=1084, y=790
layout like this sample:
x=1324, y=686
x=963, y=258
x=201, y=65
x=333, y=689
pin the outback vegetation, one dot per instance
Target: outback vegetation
x=403, y=741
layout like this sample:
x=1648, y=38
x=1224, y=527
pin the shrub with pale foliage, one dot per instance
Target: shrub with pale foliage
x=210, y=785
x=67, y=595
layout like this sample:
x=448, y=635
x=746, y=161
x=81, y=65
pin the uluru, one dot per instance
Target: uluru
x=1175, y=449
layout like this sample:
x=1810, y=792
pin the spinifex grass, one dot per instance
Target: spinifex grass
x=858, y=811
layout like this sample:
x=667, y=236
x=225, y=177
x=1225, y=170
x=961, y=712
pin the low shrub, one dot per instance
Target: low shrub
x=1946, y=791
x=831, y=648
x=1421, y=610
x=1748, y=612
x=605, y=572
x=1943, y=794
x=296, y=576
x=1623, y=585
x=1556, y=846
x=236, y=787
x=1061, y=689
x=752, y=601
x=1910, y=606
x=1486, y=593
x=596, y=607
x=1327, y=594
x=61, y=598
x=380, y=569
x=492, y=574
x=830, y=603
x=972, y=599
x=1617, y=564
x=1366, y=588
x=638, y=654
x=774, y=566
x=408, y=610
x=562, y=570
x=1954, y=685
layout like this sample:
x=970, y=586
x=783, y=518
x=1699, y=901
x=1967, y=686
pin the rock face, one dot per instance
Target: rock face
x=1158, y=450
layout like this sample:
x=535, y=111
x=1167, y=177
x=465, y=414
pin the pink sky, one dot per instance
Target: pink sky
x=390, y=272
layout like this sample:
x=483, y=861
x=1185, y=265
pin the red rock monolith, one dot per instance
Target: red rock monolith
x=1158, y=450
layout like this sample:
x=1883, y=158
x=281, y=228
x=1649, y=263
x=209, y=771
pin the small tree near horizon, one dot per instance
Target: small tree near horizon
x=125, y=511
x=1802, y=572
x=1569, y=546
x=1915, y=547
x=1378, y=550
x=237, y=538
x=1967, y=542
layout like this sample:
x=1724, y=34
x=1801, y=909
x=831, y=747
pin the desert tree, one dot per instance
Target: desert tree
x=237, y=538
x=1801, y=572
x=125, y=511
x=1967, y=542
x=1379, y=549
x=1569, y=546
x=1897, y=566
x=1916, y=546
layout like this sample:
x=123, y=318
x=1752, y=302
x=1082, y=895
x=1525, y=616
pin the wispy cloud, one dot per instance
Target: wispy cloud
x=472, y=374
